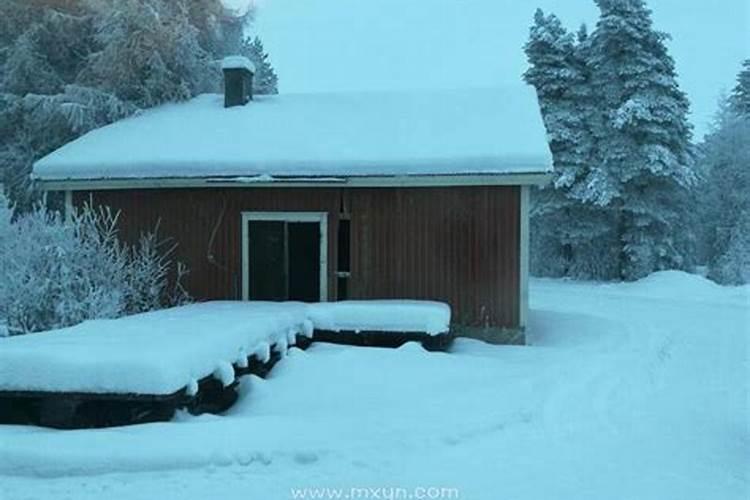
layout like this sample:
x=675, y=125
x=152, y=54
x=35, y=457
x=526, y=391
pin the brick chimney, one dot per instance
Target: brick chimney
x=238, y=80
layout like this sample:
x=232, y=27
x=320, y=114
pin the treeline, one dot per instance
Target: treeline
x=628, y=178
x=724, y=193
x=69, y=66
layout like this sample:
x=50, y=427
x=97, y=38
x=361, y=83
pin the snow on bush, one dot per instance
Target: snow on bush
x=56, y=273
x=147, y=276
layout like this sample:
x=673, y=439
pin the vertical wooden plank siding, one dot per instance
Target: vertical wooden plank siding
x=459, y=245
x=189, y=217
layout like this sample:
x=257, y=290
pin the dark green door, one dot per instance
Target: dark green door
x=284, y=260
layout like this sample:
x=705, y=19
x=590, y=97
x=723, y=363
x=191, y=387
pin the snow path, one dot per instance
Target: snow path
x=629, y=391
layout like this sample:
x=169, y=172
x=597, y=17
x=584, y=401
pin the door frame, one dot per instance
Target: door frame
x=320, y=217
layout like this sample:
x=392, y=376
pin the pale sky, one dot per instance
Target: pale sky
x=335, y=45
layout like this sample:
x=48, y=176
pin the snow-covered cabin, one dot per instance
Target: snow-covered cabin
x=321, y=197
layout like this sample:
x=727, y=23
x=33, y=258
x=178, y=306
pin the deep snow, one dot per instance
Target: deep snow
x=629, y=391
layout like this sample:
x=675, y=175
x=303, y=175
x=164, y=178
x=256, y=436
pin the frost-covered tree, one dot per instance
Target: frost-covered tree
x=725, y=157
x=265, y=81
x=148, y=53
x=644, y=168
x=6, y=216
x=560, y=78
x=68, y=66
x=733, y=266
x=621, y=142
x=220, y=31
x=26, y=68
x=36, y=124
x=740, y=99
x=570, y=237
x=46, y=52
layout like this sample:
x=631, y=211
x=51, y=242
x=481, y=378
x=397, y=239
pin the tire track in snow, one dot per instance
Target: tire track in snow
x=607, y=385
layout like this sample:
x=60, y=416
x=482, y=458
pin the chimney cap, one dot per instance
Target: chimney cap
x=238, y=62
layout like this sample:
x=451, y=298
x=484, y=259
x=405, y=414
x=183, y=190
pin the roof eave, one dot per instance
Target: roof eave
x=509, y=179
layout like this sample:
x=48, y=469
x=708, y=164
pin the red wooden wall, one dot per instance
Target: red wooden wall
x=459, y=245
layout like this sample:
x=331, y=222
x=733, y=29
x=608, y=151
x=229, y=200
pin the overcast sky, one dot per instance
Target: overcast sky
x=333, y=45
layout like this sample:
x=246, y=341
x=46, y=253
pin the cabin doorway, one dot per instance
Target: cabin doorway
x=284, y=256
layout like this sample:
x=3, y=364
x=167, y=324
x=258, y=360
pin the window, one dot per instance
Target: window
x=284, y=256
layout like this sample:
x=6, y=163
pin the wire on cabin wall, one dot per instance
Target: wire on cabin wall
x=210, y=250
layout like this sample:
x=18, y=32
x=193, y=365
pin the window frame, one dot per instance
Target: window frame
x=312, y=217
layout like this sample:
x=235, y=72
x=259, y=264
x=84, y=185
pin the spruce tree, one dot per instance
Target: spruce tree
x=570, y=237
x=265, y=80
x=644, y=165
x=740, y=99
x=726, y=160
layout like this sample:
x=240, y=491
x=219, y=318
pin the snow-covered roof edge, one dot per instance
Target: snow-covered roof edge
x=531, y=178
x=238, y=62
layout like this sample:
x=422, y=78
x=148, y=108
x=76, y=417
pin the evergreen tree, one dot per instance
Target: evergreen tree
x=644, y=168
x=559, y=78
x=740, y=100
x=570, y=237
x=619, y=206
x=726, y=159
x=265, y=81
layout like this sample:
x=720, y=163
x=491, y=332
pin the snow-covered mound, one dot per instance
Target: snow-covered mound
x=154, y=353
x=667, y=285
x=382, y=316
x=679, y=284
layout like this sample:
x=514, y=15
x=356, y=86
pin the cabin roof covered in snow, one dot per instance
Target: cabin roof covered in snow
x=478, y=132
x=238, y=62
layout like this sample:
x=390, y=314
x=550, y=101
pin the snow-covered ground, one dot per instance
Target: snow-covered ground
x=630, y=391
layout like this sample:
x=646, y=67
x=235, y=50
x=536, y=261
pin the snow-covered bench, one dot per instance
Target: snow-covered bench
x=382, y=323
x=159, y=360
